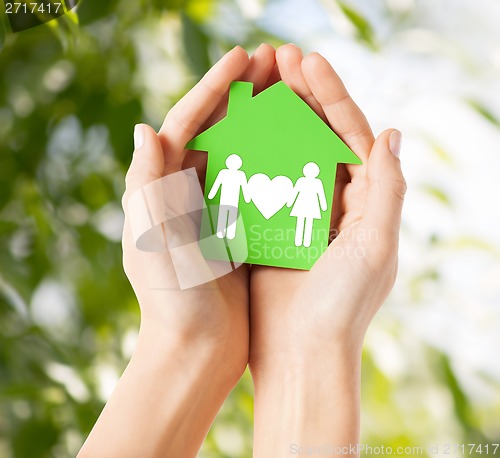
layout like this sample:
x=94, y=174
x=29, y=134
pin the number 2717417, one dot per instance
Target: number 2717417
x=33, y=7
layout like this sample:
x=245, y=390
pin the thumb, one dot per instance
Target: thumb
x=148, y=162
x=386, y=185
x=147, y=166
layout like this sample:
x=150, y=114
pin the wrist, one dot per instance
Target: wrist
x=191, y=354
x=303, y=383
x=175, y=339
x=165, y=400
x=299, y=367
x=307, y=401
x=300, y=351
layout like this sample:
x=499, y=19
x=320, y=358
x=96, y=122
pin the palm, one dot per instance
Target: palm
x=311, y=299
x=329, y=298
x=230, y=289
x=214, y=312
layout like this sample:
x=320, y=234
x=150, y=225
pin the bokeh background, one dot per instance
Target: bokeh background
x=70, y=94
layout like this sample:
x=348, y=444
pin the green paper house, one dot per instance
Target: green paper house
x=270, y=179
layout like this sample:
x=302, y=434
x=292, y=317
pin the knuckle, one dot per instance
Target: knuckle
x=130, y=179
x=399, y=187
x=392, y=185
x=184, y=124
x=124, y=201
x=336, y=100
x=212, y=89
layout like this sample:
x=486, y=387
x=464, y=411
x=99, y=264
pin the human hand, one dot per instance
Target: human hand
x=298, y=312
x=307, y=327
x=193, y=344
x=215, y=315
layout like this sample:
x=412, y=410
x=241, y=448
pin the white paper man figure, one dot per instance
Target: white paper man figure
x=307, y=198
x=230, y=181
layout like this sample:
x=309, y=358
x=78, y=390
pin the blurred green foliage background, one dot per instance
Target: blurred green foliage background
x=70, y=94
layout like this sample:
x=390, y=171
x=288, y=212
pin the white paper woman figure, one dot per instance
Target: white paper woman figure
x=307, y=198
x=231, y=182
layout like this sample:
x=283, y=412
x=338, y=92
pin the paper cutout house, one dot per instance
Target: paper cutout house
x=275, y=133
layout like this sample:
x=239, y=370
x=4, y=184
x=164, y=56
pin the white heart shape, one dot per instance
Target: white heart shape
x=269, y=196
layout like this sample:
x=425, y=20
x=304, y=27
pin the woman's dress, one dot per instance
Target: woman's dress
x=306, y=204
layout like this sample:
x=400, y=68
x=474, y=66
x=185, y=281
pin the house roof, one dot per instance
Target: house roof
x=276, y=119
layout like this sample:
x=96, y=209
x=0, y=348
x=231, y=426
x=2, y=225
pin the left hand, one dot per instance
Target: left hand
x=193, y=344
x=213, y=317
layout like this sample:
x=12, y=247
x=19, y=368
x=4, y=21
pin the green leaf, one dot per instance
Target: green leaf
x=3, y=29
x=485, y=112
x=196, y=46
x=42, y=431
x=89, y=11
x=442, y=154
x=199, y=10
x=466, y=242
x=460, y=400
x=364, y=29
x=438, y=194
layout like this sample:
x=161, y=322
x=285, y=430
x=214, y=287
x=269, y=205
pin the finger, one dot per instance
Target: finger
x=289, y=59
x=185, y=119
x=274, y=77
x=147, y=162
x=345, y=117
x=260, y=67
x=386, y=185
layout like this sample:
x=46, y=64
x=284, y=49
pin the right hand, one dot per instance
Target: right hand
x=297, y=314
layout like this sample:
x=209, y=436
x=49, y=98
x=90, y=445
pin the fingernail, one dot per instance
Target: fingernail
x=395, y=140
x=138, y=136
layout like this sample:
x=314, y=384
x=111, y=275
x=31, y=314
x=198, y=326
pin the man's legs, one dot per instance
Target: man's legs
x=222, y=221
x=232, y=213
